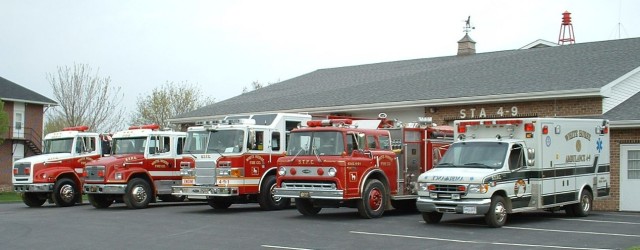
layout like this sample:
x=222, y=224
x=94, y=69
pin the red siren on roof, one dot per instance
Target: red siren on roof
x=76, y=128
x=148, y=126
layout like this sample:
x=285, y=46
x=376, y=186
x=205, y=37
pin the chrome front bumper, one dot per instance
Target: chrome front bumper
x=27, y=188
x=463, y=206
x=204, y=191
x=104, y=188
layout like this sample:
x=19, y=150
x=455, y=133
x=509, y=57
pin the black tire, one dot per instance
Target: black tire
x=137, y=194
x=497, y=215
x=220, y=202
x=65, y=193
x=267, y=200
x=583, y=207
x=432, y=217
x=33, y=199
x=100, y=200
x=171, y=198
x=374, y=198
x=306, y=207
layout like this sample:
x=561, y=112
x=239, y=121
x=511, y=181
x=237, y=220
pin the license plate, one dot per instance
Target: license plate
x=304, y=194
x=93, y=189
x=455, y=196
x=188, y=182
x=469, y=210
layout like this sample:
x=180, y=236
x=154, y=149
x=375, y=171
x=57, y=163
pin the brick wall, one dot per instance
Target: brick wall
x=6, y=150
x=618, y=137
x=33, y=118
x=568, y=107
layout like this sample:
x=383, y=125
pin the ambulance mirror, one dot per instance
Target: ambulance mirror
x=531, y=154
x=530, y=162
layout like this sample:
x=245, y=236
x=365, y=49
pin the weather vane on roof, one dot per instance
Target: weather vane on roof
x=467, y=28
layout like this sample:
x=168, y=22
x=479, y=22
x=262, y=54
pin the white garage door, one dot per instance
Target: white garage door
x=629, y=177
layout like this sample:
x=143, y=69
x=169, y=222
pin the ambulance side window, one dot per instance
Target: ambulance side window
x=516, y=157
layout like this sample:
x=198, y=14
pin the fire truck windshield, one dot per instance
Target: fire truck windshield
x=316, y=143
x=62, y=145
x=475, y=155
x=214, y=141
x=132, y=145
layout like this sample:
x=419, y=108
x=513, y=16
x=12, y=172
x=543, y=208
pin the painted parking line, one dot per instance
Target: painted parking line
x=573, y=232
x=283, y=247
x=477, y=242
x=605, y=221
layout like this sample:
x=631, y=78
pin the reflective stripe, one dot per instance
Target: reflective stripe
x=164, y=173
x=235, y=181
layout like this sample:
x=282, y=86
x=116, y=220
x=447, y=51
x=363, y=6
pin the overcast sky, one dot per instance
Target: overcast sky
x=223, y=46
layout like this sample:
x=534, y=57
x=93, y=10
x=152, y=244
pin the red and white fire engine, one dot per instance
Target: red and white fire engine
x=338, y=163
x=234, y=160
x=145, y=163
x=55, y=175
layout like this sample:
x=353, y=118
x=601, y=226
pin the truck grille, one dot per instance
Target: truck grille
x=451, y=189
x=92, y=173
x=21, y=168
x=310, y=185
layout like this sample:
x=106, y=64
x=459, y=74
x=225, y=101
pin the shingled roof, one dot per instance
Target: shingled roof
x=627, y=114
x=578, y=70
x=10, y=91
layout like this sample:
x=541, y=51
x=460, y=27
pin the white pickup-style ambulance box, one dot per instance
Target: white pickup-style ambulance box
x=497, y=167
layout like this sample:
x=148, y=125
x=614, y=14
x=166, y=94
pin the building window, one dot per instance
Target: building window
x=633, y=163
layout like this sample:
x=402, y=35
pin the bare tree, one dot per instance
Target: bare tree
x=256, y=85
x=4, y=122
x=85, y=98
x=168, y=101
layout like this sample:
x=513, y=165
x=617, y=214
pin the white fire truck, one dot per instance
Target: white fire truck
x=55, y=175
x=501, y=166
x=234, y=160
x=144, y=163
x=332, y=163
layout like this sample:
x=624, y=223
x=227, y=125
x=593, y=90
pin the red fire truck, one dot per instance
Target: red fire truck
x=145, y=163
x=234, y=160
x=55, y=175
x=332, y=163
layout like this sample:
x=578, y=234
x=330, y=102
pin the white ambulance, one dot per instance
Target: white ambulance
x=502, y=166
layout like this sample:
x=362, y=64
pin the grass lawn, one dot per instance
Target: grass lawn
x=9, y=197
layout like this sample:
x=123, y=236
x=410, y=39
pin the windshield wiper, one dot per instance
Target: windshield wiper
x=444, y=164
x=476, y=164
x=294, y=157
x=315, y=152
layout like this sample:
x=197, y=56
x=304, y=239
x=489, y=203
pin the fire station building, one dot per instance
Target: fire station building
x=590, y=80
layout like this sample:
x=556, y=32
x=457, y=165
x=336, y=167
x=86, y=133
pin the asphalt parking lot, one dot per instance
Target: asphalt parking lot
x=192, y=225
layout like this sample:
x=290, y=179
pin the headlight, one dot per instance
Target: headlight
x=186, y=172
x=478, y=188
x=423, y=186
x=332, y=172
x=282, y=171
x=118, y=176
x=224, y=172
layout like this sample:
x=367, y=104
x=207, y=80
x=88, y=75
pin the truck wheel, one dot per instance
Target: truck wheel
x=100, y=200
x=65, y=192
x=137, y=194
x=497, y=215
x=373, y=200
x=267, y=200
x=219, y=202
x=432, y=217
x=583, y=208
x=33, y=199
x=171, y=198
x=305, y=207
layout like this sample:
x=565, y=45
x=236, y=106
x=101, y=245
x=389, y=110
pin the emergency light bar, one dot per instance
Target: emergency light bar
x=329, y=123
x=76, y=128
x=462, y=126
x=148, y=126
x=227, y=122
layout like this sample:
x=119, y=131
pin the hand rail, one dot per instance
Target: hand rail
x=29, y=134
